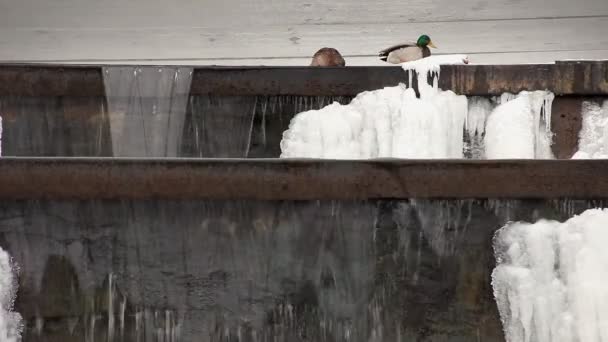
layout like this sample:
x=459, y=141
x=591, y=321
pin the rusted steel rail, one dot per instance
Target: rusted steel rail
x=84, y=178
x=562, y=78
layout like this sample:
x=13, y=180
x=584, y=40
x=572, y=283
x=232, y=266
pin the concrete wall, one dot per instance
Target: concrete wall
x=287, y=32
x=157, y=270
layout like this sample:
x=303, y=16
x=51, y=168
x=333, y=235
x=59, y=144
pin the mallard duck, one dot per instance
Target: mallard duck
x=326, y=57
x=408, y=52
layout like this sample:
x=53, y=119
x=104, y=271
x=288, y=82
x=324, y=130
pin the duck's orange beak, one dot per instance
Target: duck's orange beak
x=431, y=44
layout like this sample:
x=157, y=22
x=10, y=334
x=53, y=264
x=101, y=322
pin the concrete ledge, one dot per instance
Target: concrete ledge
x=563, y=78
x=263, y=179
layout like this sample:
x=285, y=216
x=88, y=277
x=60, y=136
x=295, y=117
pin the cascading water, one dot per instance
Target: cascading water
x=394, y=122
x=549, y=282
x=234, y=270
x=244, y=126
x=260, y=271
x=147, y=109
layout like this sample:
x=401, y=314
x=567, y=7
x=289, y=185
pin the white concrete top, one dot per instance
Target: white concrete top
x=288, y=32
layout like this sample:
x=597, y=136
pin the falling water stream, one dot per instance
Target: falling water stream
x=260, y=270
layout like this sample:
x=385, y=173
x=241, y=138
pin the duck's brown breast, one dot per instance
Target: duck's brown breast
x=327, y=57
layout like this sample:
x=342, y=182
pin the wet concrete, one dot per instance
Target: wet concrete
x=407, y=270
x=235, y=112
x=138, y=126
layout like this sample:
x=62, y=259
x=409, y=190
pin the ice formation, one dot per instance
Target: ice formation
x=10, y=322
x=550, y=279
x=390, y=122
x=479, y=110
x=394, y=122
x=520, y=127
x=593, y=137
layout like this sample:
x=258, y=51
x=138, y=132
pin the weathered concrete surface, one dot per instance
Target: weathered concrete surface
x=565, y=78
x=214, y=126
x=260, y=270
x=566, y=121
x=41, y=80
x=55, y=126
x=571, y=78
x=47, y=178
x=264, y=32
x=236, y=112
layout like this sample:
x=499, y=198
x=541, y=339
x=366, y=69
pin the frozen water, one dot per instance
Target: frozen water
x=10, y=322
x=550, y=279
x=394, y=122
x=520, y=127
x=593, y=137
x=390, y=122
x=475, y=125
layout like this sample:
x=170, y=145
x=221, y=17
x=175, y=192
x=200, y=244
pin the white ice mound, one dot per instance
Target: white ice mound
x=393, y=122
x=550, y=279
x=520, y=127
x=593, y=137
x=390, y=122
x=10, y=322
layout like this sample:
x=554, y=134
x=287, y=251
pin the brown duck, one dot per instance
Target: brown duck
x=327, y=57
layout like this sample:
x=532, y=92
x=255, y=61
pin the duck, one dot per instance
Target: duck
x=327, y=57
x=408, y=52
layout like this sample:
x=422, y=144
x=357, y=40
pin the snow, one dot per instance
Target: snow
x=593, y=137
x=393, y=122
x=550, y=279
x=10, y=322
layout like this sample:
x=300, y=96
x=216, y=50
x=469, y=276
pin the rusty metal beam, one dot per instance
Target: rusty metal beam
x=563, y=78
x=50, y=80
x=84, y=178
